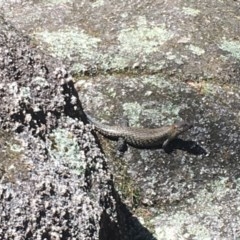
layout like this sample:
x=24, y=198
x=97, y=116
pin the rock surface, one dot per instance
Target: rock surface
x=155, y=62
x=54, y=179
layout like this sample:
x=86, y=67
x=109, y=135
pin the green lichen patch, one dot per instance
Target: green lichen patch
x=132, y=110
x=117, y=63
x=143, y=39
x=69, y=42
x=233, y=47
x=65, y=146
x=178, y=229
x=206, y=205
x=167, y=108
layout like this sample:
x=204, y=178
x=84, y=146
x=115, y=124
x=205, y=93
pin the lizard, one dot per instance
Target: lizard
x=141, y=137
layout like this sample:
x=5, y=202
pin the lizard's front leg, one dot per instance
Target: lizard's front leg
x=121, y=147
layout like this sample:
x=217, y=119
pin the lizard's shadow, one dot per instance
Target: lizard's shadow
x=188, y=146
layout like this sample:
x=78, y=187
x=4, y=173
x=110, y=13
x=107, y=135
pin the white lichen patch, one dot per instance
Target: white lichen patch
x=172, y=57
x=69, y=42
x=232, y=47
x=143, y=39
x=16, y=148
x=25, y=92
x=190, y=11
x=98, y=3
x=13, y=88
x=196, y=50
x=40, y=81
x=58, y=1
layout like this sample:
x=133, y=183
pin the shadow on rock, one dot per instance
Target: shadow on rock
x=130, y=224
x=187, y=146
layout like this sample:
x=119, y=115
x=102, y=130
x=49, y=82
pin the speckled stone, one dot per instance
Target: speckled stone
x=54, y=180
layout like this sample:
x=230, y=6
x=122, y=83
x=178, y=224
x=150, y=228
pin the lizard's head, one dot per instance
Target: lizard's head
x=182, y=126
x=176, y=129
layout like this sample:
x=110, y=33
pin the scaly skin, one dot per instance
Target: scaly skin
x=142, y=137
